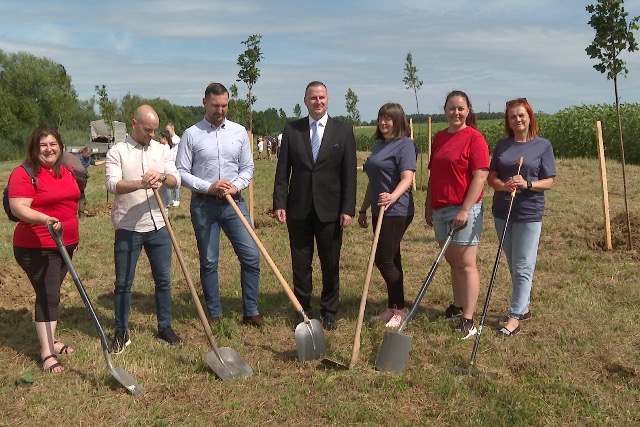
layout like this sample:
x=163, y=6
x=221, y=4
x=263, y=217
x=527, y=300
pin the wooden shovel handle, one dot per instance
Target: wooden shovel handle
x=265, y=254
x=192, y=289
x=363, y=301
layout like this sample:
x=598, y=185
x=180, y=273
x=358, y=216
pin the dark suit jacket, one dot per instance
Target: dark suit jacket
x=329, y=185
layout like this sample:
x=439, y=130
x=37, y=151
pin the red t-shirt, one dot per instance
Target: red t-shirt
x=56, y=197
x=454, y=157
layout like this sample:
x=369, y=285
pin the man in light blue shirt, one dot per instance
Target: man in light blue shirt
x=214, y=159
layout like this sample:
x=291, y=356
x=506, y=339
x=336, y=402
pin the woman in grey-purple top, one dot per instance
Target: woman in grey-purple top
x=536, y=176
x=390, y=168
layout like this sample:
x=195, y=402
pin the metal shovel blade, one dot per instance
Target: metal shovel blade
x=394, y=352
x=126, y=380
x=229, y=365
x=310, y=340
x=123, y=377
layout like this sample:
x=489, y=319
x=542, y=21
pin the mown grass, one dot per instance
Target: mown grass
x=575, y=363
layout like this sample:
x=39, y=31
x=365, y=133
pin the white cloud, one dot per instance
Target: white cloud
x=493, y=50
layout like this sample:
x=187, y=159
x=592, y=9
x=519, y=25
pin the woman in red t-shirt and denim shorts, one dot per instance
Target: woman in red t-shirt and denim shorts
x=458, y=170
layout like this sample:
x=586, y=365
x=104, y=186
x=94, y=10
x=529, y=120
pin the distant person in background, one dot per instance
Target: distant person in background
x=54, y=200
x=390, y=168
x=314, y=193
x=174, y=200
x=165, y=139
x=82, y=174
x=459, y=166
x=525, y=222
x=260, y=147
x=87, y=160
x=269, y=144
x=279, y=145
x=175, y=139
x=134, y=168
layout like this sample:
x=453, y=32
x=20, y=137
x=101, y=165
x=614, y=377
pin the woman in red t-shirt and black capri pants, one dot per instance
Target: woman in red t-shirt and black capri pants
x=53, y=199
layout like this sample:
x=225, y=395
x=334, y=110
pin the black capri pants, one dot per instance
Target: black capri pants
x=388, y=258
x=45, y=269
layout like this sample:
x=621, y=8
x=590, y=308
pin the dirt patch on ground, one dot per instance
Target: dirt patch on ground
x=619, y=233
x=16, y=292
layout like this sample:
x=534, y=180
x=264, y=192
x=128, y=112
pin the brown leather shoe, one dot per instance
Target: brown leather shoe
x=253, y=320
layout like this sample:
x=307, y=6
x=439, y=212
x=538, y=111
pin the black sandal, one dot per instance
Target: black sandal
x=52, y=367
x=65, y=348
x=504, y=332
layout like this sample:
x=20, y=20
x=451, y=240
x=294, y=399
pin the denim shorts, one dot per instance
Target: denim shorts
x=468, y=236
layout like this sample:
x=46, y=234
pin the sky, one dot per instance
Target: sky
x=494, y=50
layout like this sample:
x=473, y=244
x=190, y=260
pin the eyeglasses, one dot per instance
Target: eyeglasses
x=516, y=101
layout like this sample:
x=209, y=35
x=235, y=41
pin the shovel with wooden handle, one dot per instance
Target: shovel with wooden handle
x=309, y=333
x=225, y=362
x=363, y=301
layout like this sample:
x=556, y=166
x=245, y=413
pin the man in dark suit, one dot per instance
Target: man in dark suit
x=314, y=193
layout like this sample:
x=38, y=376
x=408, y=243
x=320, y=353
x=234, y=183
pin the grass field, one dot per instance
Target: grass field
x=576, y=362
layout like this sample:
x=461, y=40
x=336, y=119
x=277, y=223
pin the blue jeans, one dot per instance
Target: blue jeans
x=171, y=195
x=521, y=249
x=126, y=251
x=167, y=196
x=208, y=217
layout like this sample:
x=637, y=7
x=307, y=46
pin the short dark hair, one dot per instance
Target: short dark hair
x=215, y=89
x=400, y=123
x=314, y=83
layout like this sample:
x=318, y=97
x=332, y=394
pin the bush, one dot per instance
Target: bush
x=571, y=131
x=10, y=150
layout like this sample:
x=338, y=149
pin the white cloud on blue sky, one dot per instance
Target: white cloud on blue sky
x=492, y=49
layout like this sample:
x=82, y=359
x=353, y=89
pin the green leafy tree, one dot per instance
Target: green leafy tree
x=107, y=106
x=283, y=119
x=411, y=81
x=614, y=35
x=352, y=107
x=249, y=71
x=33, y=91
x=238, y=108
x=297, y=111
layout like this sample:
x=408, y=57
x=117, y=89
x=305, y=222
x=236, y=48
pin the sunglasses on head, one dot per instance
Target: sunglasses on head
x=516, y=101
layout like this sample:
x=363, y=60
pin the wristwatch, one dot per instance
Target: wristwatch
x=163, y=177
x=529, y=185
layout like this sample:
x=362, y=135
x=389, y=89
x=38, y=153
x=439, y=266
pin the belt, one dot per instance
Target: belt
x=213, y=198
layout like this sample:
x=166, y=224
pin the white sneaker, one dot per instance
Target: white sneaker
x=466, y=328
x=398, y=318
x=176, y=203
